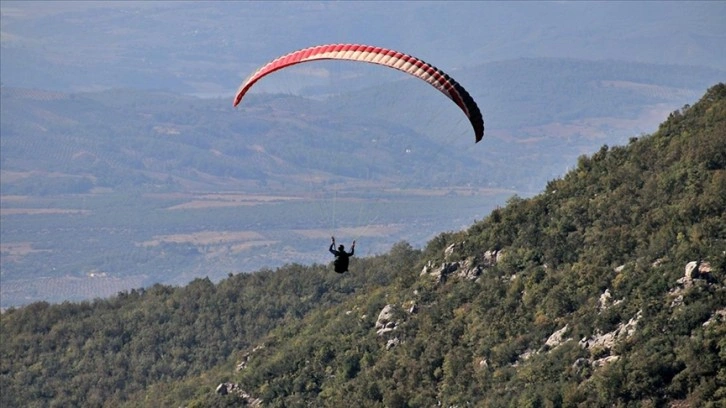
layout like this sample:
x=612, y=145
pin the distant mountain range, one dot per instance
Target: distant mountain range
x=541, y=112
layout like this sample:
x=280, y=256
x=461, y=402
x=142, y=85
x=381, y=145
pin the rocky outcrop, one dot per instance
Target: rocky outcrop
x=696, y=270
x=718, y=316
x=483, y=363
x=492, y=257
x=470, y=270
x=225, y=388
x=601, y=362
x=391, y=343
x=526, y=355
x=553, y=341
x=583, y=362
x=557, y=338
x=246, y=357
x=385, y=322
x=456, y=264
x=606, y=301
x=607, y=341
x=696, y=273
x=232, y=388
x=389, y=319
x=453, y=249
x=604, y=343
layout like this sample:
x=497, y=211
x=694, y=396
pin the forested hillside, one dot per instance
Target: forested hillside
x=607, y=289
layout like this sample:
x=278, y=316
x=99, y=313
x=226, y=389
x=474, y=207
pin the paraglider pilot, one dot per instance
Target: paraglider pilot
x=341, y=257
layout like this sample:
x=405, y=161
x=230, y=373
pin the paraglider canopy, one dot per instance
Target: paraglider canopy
x=381, y=56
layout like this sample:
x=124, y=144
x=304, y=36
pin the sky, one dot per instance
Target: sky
x=208, y=47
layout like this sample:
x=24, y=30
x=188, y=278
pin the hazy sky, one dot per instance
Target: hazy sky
x=196, y=46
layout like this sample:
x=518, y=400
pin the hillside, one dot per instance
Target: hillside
x=606, y=289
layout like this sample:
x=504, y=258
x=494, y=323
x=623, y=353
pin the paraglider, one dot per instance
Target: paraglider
x=341, y=256
x=381, y=56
